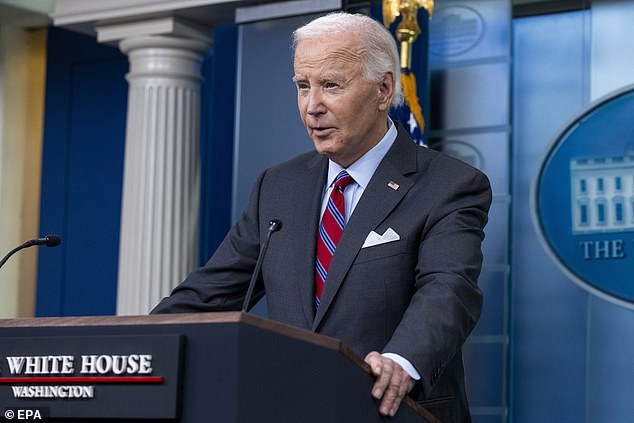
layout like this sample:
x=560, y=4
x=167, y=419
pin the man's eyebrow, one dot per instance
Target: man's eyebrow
x=326, y=78
x=332, y=77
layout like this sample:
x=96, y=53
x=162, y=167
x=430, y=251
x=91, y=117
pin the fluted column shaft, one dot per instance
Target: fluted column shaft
x=159, y=221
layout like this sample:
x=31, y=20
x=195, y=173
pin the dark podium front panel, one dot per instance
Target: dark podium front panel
x=210, y=367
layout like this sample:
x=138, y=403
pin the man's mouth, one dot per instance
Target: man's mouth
x=321, y=131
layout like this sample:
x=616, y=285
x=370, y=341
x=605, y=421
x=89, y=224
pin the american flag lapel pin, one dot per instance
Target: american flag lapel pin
x=393, y=185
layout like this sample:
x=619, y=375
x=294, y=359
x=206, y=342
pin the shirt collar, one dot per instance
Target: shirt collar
x=363, y=169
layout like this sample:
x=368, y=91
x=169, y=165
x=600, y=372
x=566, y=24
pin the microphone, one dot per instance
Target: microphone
x=49, y=241
x=274, y=226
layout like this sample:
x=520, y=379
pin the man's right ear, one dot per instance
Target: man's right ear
x=386, y=91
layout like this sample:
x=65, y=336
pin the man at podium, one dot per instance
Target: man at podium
x=380, y=240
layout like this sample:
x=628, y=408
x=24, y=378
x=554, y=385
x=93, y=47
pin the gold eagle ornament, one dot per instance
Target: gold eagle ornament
x=406, y=33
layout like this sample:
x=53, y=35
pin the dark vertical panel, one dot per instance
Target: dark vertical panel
x=84, y=135
x=95, y=176
x=217, y=128
x=53, y=188
x=549, y=312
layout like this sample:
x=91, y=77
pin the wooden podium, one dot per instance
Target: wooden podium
x=208, y=367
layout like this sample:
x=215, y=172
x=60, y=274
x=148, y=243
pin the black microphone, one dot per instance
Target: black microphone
x=274, y=226
x=49, y=241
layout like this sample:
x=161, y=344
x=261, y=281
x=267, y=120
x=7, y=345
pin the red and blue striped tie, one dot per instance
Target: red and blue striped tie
x=330, y=231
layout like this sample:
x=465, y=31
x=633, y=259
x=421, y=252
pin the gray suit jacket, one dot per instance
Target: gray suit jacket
x=416, y=297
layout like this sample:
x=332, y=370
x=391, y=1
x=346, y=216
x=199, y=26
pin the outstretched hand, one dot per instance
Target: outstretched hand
x=391, y=385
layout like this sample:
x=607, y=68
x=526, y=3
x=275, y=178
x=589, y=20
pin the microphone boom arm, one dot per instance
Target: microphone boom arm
x=274, y=226
x=49, y=241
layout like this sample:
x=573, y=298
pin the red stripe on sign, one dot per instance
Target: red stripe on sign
x=102, y=379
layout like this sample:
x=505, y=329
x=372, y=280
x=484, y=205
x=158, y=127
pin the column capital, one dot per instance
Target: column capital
x=170, y=27
x=197, y=46
x=175, y=58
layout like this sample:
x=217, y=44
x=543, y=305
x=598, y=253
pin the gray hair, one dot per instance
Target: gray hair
x=381, y=52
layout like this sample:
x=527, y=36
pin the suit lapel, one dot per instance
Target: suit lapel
x=376, y=203
x=306, y=206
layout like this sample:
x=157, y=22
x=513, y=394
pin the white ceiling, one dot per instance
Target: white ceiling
x=29, y=13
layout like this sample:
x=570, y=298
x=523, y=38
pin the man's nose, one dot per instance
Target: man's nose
x=315, y=103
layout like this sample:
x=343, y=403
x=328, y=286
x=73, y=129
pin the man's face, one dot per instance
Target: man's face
x=344, y=113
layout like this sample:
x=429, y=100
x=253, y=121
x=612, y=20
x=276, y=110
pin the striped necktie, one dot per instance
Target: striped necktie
x=330, y=231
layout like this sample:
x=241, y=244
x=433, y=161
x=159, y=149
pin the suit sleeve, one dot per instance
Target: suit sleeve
x=222, y=283
x=446, y=303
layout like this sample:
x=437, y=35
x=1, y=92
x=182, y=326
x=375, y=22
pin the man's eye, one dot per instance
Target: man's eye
x=302, y=87
x=331, y=85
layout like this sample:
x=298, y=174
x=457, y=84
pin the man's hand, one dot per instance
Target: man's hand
x=392, y=382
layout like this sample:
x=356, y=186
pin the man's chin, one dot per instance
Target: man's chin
x=334, y=156
x=324, y=152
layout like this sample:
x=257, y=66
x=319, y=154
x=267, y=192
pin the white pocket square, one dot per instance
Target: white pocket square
x=373, y=238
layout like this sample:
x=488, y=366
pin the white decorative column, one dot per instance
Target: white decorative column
x=159, y=220
x=165, y=41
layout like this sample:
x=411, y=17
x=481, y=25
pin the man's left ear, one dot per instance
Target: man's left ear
x=386, y=91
